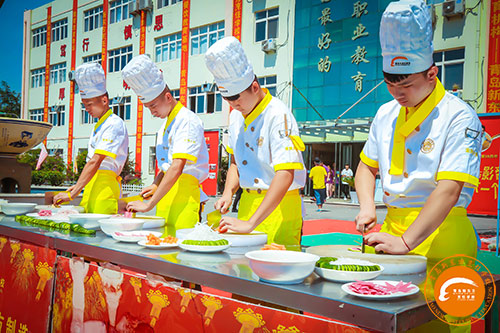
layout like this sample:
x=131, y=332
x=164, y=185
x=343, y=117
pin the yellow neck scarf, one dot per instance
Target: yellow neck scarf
x=406, y=126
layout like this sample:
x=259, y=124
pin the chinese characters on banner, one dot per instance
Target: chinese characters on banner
x=101, y=299
x=72, y=84
x=140, y=107
x=63, y=50
x=485, y=196
x=127, y=32
x=47, y=68
x=237, y=16
x=158, y=22
x=104, y=50
x=184, y=51
x=26, y=286
x=209, y=186
x=493, y=78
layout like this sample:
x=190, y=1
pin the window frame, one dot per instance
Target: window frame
x=86, y=119
x=92, y=58
x=56, y=121
x=123, y=5
x=266, y=19
x=118, y=55
x=36, y=114
x=89, y=17
x=263, y=82
x=61, y=29
x=174, y=39
x=196, y=92
x=441, y=65
x=58, y=73
x=166, y=3
x=121, y=109
x=196, y=35
x=152, y=160
x=39, y=35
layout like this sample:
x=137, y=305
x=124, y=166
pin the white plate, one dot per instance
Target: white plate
x=204, y=248
x=345, y=288
x=346, y=276
x=17, y=208
x=133, y=236
x=157, y=247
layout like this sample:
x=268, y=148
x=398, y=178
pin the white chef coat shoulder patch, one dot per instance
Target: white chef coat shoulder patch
x=427, y=146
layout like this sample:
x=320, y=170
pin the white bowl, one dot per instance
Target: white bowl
x=2, y=201
x=346, y=276
x=109, y=226
x=17, y=208
x=87, y=220
x=282, y=267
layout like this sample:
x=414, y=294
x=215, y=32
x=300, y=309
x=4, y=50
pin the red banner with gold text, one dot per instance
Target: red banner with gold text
x=209, y=186
x=26, y=286
x=47, y=67
x=96, y=299
x=72, y=83
x=184, y=51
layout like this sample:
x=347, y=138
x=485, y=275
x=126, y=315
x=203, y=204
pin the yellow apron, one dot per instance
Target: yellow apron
x=180, y=206
x=101, y=193
x=454, y=236
x=283, y=225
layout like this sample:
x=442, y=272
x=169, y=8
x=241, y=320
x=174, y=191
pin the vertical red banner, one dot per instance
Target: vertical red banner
x=237, y=13
x=104, y=50
x=140, y=108
x=184, y=51
x=72, y=83
x=47, y=67
x=485, y=197
x=493, y=76
x=210, y=184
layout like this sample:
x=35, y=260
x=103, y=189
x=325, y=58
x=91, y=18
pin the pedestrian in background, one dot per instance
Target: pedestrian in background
x=318, y=174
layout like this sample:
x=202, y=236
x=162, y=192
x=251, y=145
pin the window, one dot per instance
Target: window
x=121, y=107
x=93, y=58
x=451, y=68
x=176, y=93
x=55, y=151
x=37, y=77
x=152, y=160
x=203, y=99
x=92, y=19
x=269, y=82
x=86, y=118
x=36, y=114
x=266, y=24
x=39, y=36
x=117, y=59
x=204, y=37
x=58, y=73
x=164, y=3
x=60, y=30
x=82, y=150
x=168, y=47
x=118, y=10
x=56, y=115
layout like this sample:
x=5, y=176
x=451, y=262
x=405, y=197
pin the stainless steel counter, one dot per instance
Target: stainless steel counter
x=230, y=271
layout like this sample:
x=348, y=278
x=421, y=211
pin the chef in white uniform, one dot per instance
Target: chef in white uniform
x=426, y=145
x=181, y=150
x=107, y=147
x=265, y=148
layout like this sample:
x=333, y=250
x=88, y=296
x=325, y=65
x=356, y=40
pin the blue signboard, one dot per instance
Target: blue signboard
x=337, y=58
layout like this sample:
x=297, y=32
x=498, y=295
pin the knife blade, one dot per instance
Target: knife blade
x=363, y=242
x=132, y=198
x=213, y=219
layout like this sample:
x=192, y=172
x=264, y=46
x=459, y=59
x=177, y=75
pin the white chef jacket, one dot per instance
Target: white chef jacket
x=262, y=144
x=109, y=137
x=182, y=136
x=346, y=173
x=446, y=145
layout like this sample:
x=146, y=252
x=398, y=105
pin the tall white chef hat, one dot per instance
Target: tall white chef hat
x=142, y=75
x=91, y=80
x=230, y=67
x=406, y=37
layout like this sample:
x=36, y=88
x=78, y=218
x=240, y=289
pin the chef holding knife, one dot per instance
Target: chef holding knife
x=266, y=158
x=426, y=145
x=181, y=151
x=107, y=147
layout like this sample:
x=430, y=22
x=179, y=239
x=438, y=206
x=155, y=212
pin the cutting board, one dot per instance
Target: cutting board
x=393, y=264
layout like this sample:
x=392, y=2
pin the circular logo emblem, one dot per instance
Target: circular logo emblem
x=427, y=146
x=459, y=288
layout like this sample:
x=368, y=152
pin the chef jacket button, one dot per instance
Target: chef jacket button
x=259, y=191
x=409, y=151
x=417, y=128
x=244, y=162
x=162, y=159
x=252, y=129
x=405, y=175
x=255, y=180
x=387, y=193
x=246, y=144
x=251, y=148
x=248, y=190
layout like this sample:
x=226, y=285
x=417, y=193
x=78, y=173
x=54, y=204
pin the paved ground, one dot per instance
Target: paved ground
x=340, y=210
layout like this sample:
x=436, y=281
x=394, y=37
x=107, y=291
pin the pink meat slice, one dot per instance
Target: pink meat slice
x=370, y=288
x=45, y=212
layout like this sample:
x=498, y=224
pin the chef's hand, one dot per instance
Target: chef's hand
x=60, y=198
x=223, y=204
x=233, y=224
x=138, y=206
x=387, y=243
x=366, y=220
x=148, y=191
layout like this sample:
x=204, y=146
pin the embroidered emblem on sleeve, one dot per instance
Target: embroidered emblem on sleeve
x=427, y=146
